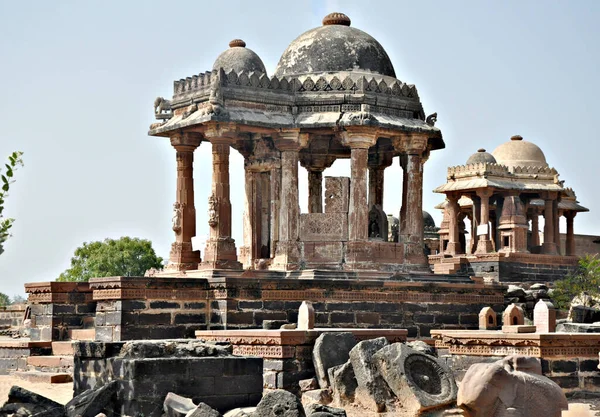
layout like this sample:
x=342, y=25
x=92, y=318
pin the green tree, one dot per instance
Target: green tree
x=586, y=279
x=122, y=257
x=14, y=161
x=4, y=300
x=18, y=299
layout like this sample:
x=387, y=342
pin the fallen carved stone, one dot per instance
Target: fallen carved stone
x=91, y=402
x=419, y=381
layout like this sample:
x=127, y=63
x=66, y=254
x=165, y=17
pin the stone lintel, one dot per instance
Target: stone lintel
x=221, y=132
x=411, y=143
x=289, y=139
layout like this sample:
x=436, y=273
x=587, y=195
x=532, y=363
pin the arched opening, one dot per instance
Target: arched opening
x=490, y=319
x=515, y=321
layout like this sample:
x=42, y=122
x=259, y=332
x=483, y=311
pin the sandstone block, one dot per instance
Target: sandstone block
x=343, y=383
x=203, y=410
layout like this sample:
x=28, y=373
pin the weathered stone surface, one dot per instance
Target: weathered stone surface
x=420, y=381
x=317, y=396
x=203, y=410
x=578, y=328
x=422, y=347
x=343, y=383
x=331, y=349
x=145, y=349
x=372, y=391
x=273, y=324
x=177, y=406
x=279, y=403
x=493, y=389
x=91, y=402
x=240, y=412
x=22, y=402
x=515, y=291
x=308, y=384
x=313, y=409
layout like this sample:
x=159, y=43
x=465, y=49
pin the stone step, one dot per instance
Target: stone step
x=50, y=361
x=44, y=377
x=62, y=348
x=82, y=334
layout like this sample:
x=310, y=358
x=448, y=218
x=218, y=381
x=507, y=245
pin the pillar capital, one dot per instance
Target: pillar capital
x=549, y=195
x=569, y=214
x=221, y=132
x=411, y=143
x=186, y=139
x=484, y=192
x=290, y=139
x=359, y=137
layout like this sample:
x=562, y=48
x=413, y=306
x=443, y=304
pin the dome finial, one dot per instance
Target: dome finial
x=336, y=18
x=481, y=150
x=238, y=43
x=516, y=137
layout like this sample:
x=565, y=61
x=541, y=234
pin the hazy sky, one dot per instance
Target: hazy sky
x=78, y=80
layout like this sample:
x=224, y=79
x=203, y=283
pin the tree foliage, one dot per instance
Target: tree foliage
x=14, y=161
x=586, y=279
x=4, y=300
x=123, y=257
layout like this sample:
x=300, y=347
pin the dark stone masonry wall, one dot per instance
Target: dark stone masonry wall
x=149, y=319
x=145, y=378
x=516, y=272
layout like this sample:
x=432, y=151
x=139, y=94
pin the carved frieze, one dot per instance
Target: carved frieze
x=323, y=227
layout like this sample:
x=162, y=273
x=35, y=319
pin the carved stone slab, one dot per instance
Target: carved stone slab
x=323, y=227
x=337, y=194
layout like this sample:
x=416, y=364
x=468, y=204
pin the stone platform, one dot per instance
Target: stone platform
x=570, y=359
x=512, y=267
x=287, y=354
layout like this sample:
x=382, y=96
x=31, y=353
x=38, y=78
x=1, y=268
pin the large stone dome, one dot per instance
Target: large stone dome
x=239, y=58
x=428, y=221
x=334, y=47
x=519, y=153
x=481, y=156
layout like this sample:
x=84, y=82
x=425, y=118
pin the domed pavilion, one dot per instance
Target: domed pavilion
x=503, y=194
x=334, y=95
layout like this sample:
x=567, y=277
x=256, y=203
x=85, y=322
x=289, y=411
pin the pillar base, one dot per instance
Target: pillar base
x=182, y=257
x=549, y=248
x=414, y=255
x=220, y=254
x=287, y=256
x=484, y=246
x=453, y=248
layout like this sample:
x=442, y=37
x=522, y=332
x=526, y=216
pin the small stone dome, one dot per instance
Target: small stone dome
x=481, y=156
x=519, y=153
x=239, y=58
x=428, y=221
x=334, y=47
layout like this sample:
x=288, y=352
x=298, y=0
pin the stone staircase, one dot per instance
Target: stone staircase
x=447, y=266
x=57, y=367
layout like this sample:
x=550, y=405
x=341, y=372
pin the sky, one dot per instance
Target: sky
x=78, y=80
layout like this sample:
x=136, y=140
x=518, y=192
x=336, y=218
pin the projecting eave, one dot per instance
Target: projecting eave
x=473, y=184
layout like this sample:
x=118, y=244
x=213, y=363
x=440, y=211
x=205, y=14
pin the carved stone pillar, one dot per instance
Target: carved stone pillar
x=287, y=255
x=403, y=164
x=376, y=186
x=251, y=220
x=556, y=217
x=275, y=206
x=358, y=213
x=570, y=243
x=549, y=246
x=182, y=257
x=535, y=228
x=315, y=191
x=475, y=221
x=453, y=247
x=484, y=243
x=220, y=248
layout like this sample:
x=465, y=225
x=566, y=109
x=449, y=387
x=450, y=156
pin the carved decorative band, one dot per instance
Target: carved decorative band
x=406, y=296
x=149, y=294
x=270, y=352
x=534, y=351
x=59, y=298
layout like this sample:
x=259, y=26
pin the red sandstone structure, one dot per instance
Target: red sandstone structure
x=334, y=95
x=503, y=195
